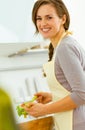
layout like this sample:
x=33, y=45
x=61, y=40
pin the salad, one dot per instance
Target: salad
x=21, y=110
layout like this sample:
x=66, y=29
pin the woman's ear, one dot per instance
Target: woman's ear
x=64, y=19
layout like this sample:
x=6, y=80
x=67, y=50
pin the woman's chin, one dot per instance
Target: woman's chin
x=46, y=37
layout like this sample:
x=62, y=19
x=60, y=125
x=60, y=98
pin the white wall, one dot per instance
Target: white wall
x=77, y=26
x=16, y=24
x=15, y=21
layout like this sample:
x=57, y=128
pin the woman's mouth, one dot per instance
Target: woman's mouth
x=45, y=30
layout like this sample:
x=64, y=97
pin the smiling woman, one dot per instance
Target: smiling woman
x=65, y=71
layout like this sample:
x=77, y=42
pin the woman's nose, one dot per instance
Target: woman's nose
x=43, y=22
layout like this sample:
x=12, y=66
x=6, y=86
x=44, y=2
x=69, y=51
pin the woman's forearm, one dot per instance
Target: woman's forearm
x=62, y=105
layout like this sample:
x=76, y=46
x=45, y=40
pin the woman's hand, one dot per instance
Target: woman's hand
x=36, y=109
x=43, y=97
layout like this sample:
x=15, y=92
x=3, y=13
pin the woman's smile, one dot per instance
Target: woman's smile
x=48, y=22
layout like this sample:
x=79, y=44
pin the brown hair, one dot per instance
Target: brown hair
x=60, y=9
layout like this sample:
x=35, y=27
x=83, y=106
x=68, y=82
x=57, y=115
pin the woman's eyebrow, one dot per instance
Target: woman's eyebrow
x=45, y=15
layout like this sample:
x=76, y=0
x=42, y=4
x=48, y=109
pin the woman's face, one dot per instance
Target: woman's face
x=48, y=22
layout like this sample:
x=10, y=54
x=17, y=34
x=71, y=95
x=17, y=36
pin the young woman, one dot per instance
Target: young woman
x=65, y=71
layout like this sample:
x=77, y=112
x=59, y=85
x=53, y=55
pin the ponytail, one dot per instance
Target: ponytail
x=50, y=52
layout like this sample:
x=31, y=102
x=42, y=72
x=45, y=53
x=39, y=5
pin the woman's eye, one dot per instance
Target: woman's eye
x=49, y=17
x=38, y=18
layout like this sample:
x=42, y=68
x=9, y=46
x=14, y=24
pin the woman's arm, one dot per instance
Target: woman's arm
x=38, y=109
x=72, y=63
x=62, y=105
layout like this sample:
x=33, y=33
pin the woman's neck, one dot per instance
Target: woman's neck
x=56, y=39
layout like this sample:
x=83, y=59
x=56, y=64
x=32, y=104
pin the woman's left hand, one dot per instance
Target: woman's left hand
x=36, y=109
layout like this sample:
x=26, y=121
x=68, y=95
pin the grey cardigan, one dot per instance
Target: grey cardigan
x=70, y=72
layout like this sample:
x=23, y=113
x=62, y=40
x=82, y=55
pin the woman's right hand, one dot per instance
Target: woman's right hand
x=43, y=97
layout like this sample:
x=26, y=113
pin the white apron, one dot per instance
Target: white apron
x=62, y=120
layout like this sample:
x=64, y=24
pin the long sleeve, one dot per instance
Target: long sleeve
x=71, y=61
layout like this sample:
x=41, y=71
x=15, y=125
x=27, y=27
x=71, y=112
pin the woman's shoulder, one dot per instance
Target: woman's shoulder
x=70, y=45
x=69, y=42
